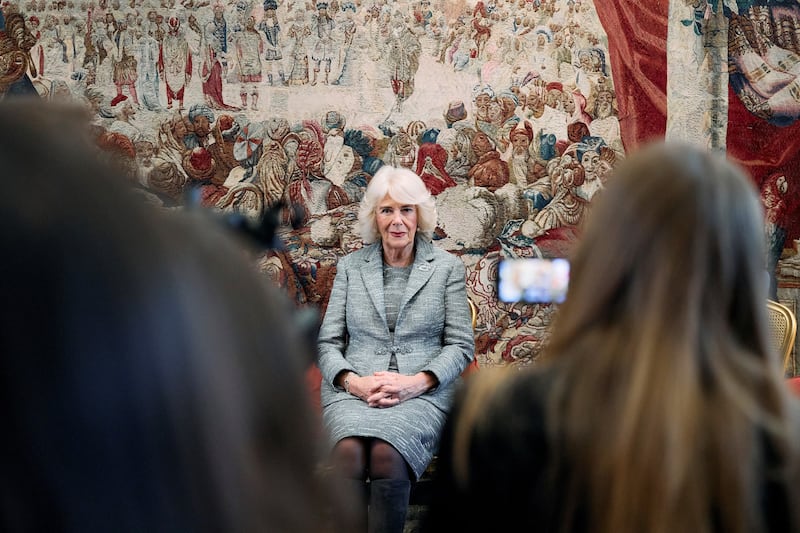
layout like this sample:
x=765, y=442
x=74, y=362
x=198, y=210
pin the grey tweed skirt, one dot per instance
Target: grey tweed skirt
x=412, y=427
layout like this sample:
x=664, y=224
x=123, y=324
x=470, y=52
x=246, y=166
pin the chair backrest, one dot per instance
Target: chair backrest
x=473, y=307
x=473, y=366
x=783, y=330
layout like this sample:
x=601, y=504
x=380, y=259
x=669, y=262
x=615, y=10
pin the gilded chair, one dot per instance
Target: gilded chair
x=473, y=366
x=473, y=307
x=783, y=330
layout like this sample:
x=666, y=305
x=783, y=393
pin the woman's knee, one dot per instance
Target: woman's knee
x=386, y=462
x=350, y=457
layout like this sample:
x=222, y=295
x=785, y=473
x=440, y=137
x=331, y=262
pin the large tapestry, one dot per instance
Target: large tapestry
x=506, y=109
x=513, y=113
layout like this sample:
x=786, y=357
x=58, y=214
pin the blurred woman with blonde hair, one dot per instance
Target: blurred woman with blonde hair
x=659, y=405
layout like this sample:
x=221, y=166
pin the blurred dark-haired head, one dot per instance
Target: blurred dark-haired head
x=150, y=378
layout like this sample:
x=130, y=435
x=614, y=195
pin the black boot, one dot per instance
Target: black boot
x=388, y=503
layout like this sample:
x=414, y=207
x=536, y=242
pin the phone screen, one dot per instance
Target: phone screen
x=532, y=280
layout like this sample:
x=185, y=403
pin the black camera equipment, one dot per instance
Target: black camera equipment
x=262, y=233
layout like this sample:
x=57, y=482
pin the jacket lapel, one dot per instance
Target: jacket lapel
x=372, y=276
x=421, y=272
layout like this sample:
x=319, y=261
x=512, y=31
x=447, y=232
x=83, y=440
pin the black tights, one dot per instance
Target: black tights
x=362, y=458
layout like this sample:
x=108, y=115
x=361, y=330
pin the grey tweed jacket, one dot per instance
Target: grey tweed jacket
x=433, y=331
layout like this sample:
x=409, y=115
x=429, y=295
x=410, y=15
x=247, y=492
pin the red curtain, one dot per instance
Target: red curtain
x=763, y=149
x=637, y=42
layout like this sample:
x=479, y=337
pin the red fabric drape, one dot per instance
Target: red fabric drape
x=763, y=149
x=794, y=384
x=637, y=43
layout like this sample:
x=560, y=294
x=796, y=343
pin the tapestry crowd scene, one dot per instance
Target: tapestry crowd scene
x=505, y=109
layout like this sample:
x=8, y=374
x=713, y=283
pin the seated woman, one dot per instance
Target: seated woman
x=659, y=404
x=395, y=338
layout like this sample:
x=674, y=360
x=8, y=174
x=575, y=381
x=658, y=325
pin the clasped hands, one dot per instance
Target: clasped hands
x=387, y=389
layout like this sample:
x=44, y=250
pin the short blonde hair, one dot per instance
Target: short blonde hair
x=403, y=186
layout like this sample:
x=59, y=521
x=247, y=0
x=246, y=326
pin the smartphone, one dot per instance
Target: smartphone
x=532, y=280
